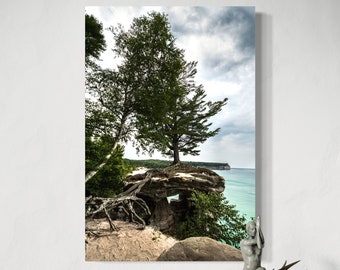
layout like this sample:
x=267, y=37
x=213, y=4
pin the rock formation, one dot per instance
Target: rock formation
x=200, y=249
x=175, y=180
x=156, y=185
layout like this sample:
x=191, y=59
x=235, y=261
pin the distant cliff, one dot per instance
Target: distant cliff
x=209, y=165
x=218, y=167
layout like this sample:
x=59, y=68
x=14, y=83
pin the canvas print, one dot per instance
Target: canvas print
x=170, y=132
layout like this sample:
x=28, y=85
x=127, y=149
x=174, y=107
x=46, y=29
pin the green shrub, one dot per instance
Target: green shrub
x=95, y=152
x=213, y=216
x=108, y=182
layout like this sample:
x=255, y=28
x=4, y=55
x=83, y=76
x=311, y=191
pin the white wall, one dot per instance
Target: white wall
x=41, y=115
x=299, y=144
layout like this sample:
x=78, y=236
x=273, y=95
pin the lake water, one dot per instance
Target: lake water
x=240, y=189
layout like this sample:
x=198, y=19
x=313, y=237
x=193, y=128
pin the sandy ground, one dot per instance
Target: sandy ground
x=126, y=244
x=139, y=170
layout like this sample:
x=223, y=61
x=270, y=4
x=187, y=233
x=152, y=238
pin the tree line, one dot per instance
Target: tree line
x=157, y=163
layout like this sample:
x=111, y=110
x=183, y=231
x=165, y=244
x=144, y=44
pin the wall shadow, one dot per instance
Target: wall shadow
x=264, y=190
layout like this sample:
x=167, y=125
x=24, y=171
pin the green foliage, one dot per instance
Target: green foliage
x=94, y=38
x=170, y=109
x=151, y=65
x=95, y=152
x=109, y=110
x=213, y=216
x=149, y=163
x=185, y=124
x=108, y=182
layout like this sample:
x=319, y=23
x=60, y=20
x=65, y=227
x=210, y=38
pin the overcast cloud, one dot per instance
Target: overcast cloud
x=222, y=40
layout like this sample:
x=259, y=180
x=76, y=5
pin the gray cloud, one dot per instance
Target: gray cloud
x=213, y=25
x=244, y=134
x=240, y=23
x=188, y=21
x=231, y=128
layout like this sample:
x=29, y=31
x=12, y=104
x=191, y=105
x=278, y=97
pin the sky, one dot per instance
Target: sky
x=222, y=40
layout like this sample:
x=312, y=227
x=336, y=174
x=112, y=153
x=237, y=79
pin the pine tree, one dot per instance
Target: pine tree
x=185, y=125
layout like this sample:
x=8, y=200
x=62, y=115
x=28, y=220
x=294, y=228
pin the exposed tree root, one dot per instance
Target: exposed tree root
x=126, y=202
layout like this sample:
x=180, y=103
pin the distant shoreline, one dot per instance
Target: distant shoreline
x=157, y=163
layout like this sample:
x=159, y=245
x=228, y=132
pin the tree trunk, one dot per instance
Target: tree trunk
x=90, y=174
x=176, y=151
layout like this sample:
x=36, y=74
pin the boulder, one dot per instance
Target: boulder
x=200, y=249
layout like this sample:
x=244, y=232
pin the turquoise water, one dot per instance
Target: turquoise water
x=240, y=189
